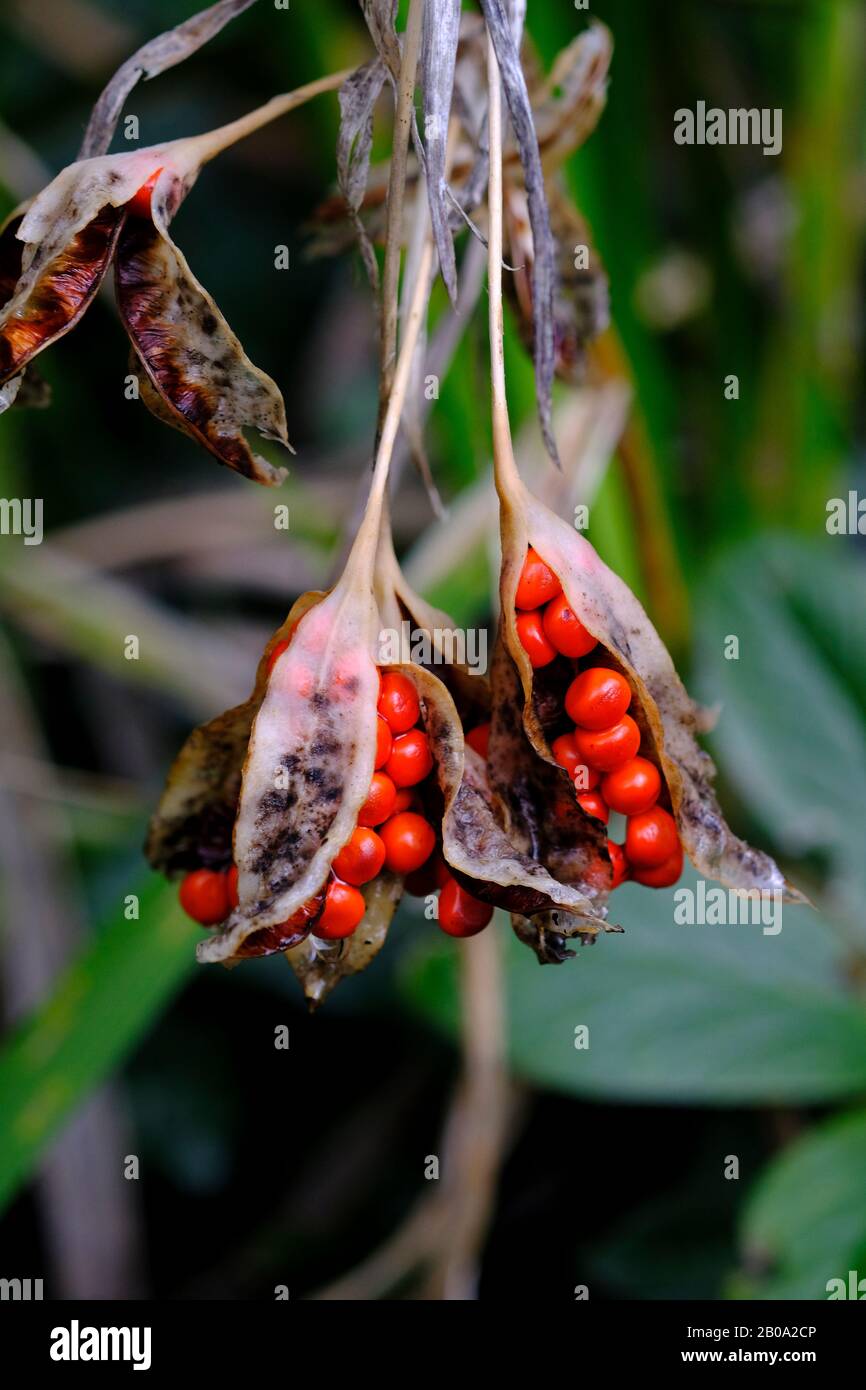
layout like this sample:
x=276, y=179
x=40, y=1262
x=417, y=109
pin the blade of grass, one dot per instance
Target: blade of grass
x=100, y=1009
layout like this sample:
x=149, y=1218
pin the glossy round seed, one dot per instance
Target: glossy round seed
x=411, y=760
x=534, y=640
x=459, y=913
x=565, y=631
x=564, y=750
x=398, y=702
x=651, y=839
x=633, y=787
x=204, y=896
x=409, y=841
x=618, y=862
x=537, y=584
x=594, y=805
x=479, y=739
x=361, y=858
x=380, y=800
x=343, y=910
x=384, y=740
x=607, y=749
x=665, y=875
x=597, y=698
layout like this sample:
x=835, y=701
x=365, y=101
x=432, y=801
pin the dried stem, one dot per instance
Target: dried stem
x=396, y=191
x=505, y=469
x=397, y=397
x=479, y=1122
x=214, y=141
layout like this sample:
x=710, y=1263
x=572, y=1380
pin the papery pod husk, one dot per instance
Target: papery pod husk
x=475, y=846
x=543, y=814
x=398, y=601
x=68, y=234
x=476, y=842
x=321, y=965
x=195, y=363
x=193, y=823
x=199, y=375
x=308, y=765
x=52, y=291
x=667, y=718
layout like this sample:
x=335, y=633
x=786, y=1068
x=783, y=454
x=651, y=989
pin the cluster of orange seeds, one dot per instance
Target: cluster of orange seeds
x=391, y=833
x=601, y=752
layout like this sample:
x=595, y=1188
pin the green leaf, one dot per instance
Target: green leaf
x=719, y=1015
x=805, y=1222
x=101, y=1007
x=791, y=737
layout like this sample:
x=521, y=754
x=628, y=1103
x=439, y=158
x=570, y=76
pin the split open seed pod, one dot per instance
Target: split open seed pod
x=116, y=209
x=484, y=848
x=628, y=643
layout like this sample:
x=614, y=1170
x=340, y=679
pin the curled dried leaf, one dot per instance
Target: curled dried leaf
x=56, y=291
x=581, y=304
x=358, y=96
x=660, y=706
x=381, y=18
x=153, y=58
x=439, y=54
x=195, y=363
x=568, y=102
x=543, y=269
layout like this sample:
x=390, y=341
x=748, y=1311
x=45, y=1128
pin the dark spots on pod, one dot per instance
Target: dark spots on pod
x=208, y=324
x=275, y=803
x=325, y=746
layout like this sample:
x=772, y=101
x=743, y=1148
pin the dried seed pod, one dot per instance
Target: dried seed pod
x=628, y=643
x=320, y=965
x=117, y=208
x=482, y=841
x=204, y=381
x=192, y=826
